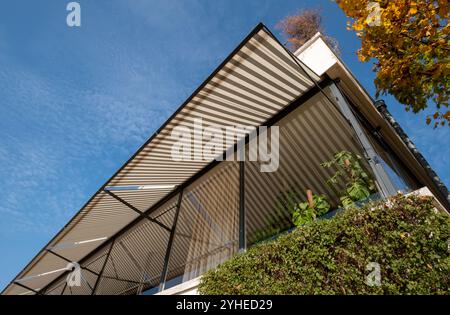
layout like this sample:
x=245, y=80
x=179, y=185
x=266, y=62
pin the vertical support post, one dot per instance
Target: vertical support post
x=242, y=225
x=385, y=185
x=162, y=281
x=64, y=289
x=103, y=268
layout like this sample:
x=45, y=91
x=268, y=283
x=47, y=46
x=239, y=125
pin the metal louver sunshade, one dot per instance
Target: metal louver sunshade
x=254, y=83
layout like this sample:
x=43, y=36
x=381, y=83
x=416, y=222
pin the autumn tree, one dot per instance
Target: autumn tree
x=409, y=40
x=300, y=27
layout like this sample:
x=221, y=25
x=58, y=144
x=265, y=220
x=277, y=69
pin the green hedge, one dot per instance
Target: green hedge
x=406, y=237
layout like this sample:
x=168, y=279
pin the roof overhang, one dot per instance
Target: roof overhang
x=257, y=81
x=321, y=59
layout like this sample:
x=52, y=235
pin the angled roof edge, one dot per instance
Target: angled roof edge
x=61, y=232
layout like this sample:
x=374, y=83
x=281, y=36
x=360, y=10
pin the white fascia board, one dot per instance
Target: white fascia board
x=316, y=54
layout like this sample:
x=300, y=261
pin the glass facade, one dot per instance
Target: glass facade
x=185, y=237
x=208, y=225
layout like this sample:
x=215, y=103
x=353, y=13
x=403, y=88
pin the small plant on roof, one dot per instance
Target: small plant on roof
x=349, y=169
x=308, y=211
x=300, y=27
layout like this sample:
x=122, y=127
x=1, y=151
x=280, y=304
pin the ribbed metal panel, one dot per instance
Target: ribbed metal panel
x=57, y=289
x=257, y=81
x=36, y=280
x=17, y=290
x=310, y=135
x=87, y=284
x=137, y=257
x=207, y=228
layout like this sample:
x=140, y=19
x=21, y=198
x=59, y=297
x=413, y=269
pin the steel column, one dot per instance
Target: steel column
x=162, y=282
x=64, y=289
x=146, y=215
x=385, y=185
x=242, y=225
x=103, y=268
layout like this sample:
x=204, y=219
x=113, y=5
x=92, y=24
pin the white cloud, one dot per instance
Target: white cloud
x=52, y=129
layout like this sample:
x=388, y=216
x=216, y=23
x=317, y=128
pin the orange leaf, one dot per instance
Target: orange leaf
x=412, y=11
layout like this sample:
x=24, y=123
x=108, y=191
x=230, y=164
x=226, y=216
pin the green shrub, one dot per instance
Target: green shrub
x=405, y=236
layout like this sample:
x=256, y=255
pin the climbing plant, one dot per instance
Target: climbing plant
x=358, y=184
x=308, y=211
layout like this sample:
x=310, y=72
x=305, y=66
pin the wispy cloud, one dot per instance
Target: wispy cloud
x=29, y=176
x=51, y=128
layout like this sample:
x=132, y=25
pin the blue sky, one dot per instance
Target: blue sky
x=75, y=103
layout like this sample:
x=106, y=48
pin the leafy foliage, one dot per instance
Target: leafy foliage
x=274, y=226
x=405, y=236
x=358, y=186
x=287, y=201
x=304, y=213
x=289, y=212
x=303, y=25
x=280, y=220
x=411, y=48
x=349, y=169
